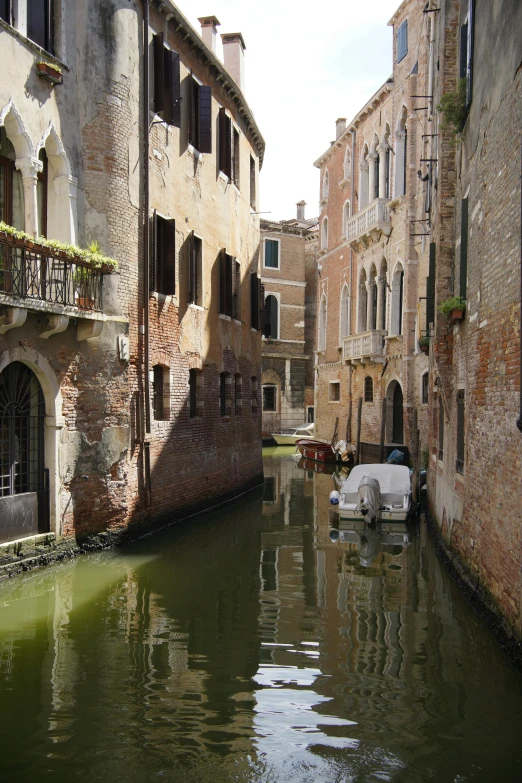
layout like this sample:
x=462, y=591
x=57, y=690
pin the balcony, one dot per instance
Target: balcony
x=365, y=347
x=369, y=224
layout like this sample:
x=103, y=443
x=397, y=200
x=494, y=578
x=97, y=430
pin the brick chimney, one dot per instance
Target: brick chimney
x=209, y=25
x=301, y=210
x=234, y=57
x=340, y=127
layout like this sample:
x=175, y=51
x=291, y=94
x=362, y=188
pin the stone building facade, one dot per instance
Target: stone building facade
x=373, y=258
x=475, y=452
x=144, y=403
x=288, y=275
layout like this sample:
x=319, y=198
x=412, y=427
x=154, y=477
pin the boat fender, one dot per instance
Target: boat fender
x=334, y=497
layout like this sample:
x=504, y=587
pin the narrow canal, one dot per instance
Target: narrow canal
x=247, y=646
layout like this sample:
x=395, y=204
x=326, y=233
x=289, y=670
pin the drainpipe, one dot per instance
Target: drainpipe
x=352, y=202
x=519, y=420
x=146, y=240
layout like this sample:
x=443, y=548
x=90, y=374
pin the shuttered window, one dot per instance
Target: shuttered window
x=430, y=289
x=163, y=267
x=271, y=258
x=255, y=285
x=40, y=16
x=252, y=183
x=200, y=116
x=225, y=143
x=463, y=272
x=236, y=289
x=227, y=275
x=195, y=293
x=460, y=432
x=235, y=158
x=402, y=41
x=167, y=90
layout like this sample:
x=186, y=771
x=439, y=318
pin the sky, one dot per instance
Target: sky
x=306, y=64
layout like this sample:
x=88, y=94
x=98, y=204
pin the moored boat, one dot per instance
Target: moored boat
x=291, y=437
x=376, y=493
x=318, y=450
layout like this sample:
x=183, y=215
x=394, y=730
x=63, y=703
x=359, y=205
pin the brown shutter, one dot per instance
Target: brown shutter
x=237, y=290
x=153, y=267
x=253, y=301
x=169, y=257
x=172, y=106
x=159, y=73
x=225, y=143
x=261, y=305
x=205, y=119
x=222, y=282
x=191, y=268
x=192, y=114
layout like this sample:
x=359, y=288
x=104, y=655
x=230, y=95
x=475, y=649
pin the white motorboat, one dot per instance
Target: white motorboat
x=291, y=436
x=375, y=493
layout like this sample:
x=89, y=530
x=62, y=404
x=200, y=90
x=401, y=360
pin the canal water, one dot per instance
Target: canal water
x=246, y=645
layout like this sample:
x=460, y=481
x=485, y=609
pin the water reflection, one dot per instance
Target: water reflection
x=249, y=646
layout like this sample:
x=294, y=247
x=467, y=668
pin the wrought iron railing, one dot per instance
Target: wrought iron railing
x=27, y=273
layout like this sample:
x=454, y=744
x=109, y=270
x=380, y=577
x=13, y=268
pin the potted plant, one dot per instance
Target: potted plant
x=50, y=71
x=424, y=343
x=453, y=308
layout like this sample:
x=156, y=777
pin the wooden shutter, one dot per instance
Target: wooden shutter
x=254, y=311
x=169, y=258
x=237, y=289
x=225, y=143
x=159, y=73
x=252, y=183
x=205, y=119
x=191, y=268
x=172, y=95
x=430, y=288
x=192, y=111
x=228, y=285
x=222, y=282
x=153, y=266
x=469, y=69
x=463, y=276
x=261, y=304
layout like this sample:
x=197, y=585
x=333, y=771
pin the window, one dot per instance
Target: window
x=460, y=432
x=441, y=430
x=167, y=90
x=466, y=51
x=11, y=185
x=347, y=169
x=5, y=10
x=163, y=267
x=364, y=178
x=401, y=147
x=160, y=392
x=41, y=196
x=270, y=398
x=195, y=293
x=40, y=16
x=324, y=234
x=225, y=400
x=195, y=393
x=252, y=182
x=325, y=185
x=430, y=288
x=402, y=41
x=271, y=329
x=200, y=116
x=346, y=217
x=463, y=273
x=310, y=414
x=368, y=389
x=257, y=298
x=229, y=285
x=425, y=388
x=238, y=400
x=334, y=391
x=235, y=158
x=321, y=338
x=397, y=300
x=253, y=395
x=271, y=254
x=345, y=312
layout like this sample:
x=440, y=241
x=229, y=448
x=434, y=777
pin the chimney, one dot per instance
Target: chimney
x=234, y=58
x=340, y=127
x=209, y=25
x=301, y=210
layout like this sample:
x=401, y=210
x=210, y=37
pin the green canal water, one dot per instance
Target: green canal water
x=247, y=646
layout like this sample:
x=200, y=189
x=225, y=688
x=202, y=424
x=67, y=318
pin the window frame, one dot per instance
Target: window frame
x=425, y=387
x=368, y=394
x=199, y=115
x=166, y=100
x=161, y=395
x=461, y=432
x=273, y=388
x=163, y=267
x=195, y=270
x=331, y=395
x=278, y=242
x=277, y=298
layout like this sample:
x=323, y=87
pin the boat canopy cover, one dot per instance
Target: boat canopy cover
x=394, y=481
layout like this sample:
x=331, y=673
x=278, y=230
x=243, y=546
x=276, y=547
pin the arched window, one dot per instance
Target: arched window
x=368, y=389
x=382, y=285
x=11, y=185
x=346, y=217
x=373, y=173
x=362, y=303
x=364, y=178
x=325, y=185
x=397, y=297
x=324, y=234
x=41, y=196
x=345, y=312
x=385, y=190
x=22, y=417
x=321, y=341
x=272, y=317
x=401, y=145
x=347, y=166
x=372, y=323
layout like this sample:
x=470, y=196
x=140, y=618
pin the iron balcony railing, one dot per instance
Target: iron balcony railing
x=28, y=273
x=366, y=345
x=376, y=216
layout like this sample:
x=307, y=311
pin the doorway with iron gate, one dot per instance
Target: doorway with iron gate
x=24, y=479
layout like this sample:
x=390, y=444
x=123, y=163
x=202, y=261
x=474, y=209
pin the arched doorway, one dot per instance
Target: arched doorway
x=24, y=485
x=394, y=413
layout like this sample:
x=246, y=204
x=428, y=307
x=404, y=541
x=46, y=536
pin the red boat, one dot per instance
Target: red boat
x=317, y=450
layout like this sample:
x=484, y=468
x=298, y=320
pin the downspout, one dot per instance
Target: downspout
x=350, y=371
x=146, y=207
x=519, y=420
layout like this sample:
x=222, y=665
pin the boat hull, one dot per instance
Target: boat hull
x=318, y=451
